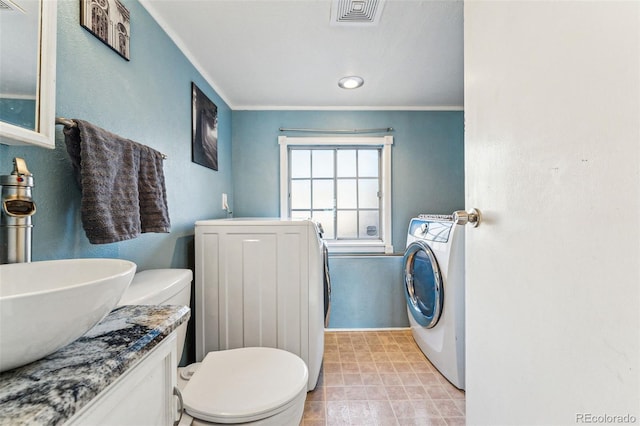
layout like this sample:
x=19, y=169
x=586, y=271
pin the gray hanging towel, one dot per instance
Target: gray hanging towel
x=122, y=182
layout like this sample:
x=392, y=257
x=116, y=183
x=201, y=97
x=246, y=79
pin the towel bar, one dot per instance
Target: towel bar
x=70, y=123
x=65, y=122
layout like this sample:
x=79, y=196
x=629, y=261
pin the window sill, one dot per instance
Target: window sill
x=351, y=247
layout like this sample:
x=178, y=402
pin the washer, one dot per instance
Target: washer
x=434, y=290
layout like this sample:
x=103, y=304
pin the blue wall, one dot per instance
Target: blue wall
x=427, y=159
x=367, y=292
x=427, y=177
x=146, y=99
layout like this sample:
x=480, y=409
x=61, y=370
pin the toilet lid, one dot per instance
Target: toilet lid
x=245, y=384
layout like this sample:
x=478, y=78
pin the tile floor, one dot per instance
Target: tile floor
x=380, y=378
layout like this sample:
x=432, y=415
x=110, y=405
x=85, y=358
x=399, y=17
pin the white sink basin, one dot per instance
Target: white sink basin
x=47, y=305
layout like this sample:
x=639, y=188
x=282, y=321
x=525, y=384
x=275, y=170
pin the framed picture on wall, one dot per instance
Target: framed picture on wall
x=109, y=21
x=204, y=130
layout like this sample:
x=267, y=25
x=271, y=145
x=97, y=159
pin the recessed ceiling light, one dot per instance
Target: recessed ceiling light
x=351, y=82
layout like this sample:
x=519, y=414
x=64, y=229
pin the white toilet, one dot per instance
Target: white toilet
x=244, y=386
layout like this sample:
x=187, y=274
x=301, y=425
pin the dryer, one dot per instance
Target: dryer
x=434, y=290
x=261, y=282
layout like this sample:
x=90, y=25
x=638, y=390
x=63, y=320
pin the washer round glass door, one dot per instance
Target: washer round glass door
x=423, y=284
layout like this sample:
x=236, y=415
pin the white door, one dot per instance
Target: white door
x=552, y=154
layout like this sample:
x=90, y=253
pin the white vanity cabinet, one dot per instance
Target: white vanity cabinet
x=121, y=372
x=143, y=395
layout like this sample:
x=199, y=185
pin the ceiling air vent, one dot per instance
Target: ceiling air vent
x=356, y=12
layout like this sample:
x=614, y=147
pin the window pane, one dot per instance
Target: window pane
x=368, y=163
x=337, y=181
x=323, y=194
x=347, y=224
x=346, y=163
x=301, y=194
x=369, y=224
x=326, y=220
x=322, y=163
x=300, y=163
x=347, y=194
x=301, y=214
x=368, y=193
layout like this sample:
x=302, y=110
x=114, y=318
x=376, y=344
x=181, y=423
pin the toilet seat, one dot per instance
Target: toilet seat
x=245, y=384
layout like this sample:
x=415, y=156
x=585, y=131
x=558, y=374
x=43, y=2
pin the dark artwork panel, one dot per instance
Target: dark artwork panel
x=204, y=149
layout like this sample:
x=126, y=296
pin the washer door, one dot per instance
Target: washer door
x=423, y=284
x=327, y=284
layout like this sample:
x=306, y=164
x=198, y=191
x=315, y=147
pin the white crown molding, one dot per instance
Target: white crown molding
x=148, y=5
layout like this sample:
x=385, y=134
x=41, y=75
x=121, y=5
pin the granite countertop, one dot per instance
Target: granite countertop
x=50, y=391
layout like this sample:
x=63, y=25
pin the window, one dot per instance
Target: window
x=343, y=183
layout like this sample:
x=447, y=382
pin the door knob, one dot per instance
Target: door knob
x=472, y=217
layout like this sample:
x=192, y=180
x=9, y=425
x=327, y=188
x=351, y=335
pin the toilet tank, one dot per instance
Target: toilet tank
x=161, y=287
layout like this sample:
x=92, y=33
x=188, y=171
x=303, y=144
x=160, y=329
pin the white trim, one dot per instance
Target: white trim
x=383, y=245
x=47, y=89
x=386, y=194
x=284, y=176
x=148, y=5
x=44, y=134
x=359, y=246
x=335, y=140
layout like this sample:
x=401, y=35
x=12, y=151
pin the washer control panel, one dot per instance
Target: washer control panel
x=437, y=231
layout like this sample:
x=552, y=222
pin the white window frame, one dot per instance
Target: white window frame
x=383, y=245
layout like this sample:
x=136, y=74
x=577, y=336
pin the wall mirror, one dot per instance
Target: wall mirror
x=27, y=72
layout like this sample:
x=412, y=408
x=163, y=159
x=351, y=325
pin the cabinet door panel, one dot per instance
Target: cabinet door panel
x=141, y=396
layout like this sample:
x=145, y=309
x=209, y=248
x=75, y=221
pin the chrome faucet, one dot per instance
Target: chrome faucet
x=15, y=214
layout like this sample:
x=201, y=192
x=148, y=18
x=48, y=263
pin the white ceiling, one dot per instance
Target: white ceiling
x=285, y=54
